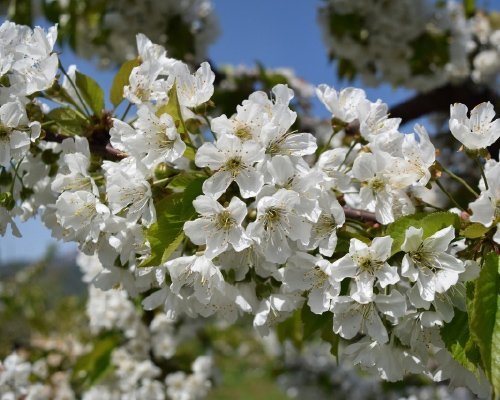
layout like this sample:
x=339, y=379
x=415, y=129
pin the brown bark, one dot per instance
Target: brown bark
x=101, y=147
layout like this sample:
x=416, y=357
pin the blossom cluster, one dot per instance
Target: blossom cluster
x=51, y=368
x=267, y=229
x=108, y=31
x=381, y=40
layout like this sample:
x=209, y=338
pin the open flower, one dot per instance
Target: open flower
x=366, y=264
x=218, y=226
x=233, y=161
x=478, y=131
x=427, y=263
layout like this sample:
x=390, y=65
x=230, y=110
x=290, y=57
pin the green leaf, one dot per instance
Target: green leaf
x=98, y=362
x=429, y=50
x=474, y=231
x=193, y=190
x=91, y=92
x=20, y=12
x=398, y=228
x=167, y=232
x=68, y=119
x=348, y=235
x=494, y=17
x=121, y=80
x=51, y=10
x=485, y=324
x=342, y=24
x=189, y=153
x=312, y=322
x=328, y=335
x=173, y=108
x=291, y=328
x=460, y=343
x=431, y=223
x=181, y=181
x=470, y=8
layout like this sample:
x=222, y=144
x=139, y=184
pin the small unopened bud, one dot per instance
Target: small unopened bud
x=54, y=167
x=49, y=157
x=7, y=200
x=5, y=177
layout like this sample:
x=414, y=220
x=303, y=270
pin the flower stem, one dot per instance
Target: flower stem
x=126, y=111
x=74, y=87
x=457, y=178
x=354, y=142
x=482, y=173
x=448, y=194
x=16, y=168
x=325, y=147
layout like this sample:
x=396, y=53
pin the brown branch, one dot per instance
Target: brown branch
x=440, y=99
x=101, y=147
x=363, y=216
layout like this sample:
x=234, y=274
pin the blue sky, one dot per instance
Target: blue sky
x=278, y=33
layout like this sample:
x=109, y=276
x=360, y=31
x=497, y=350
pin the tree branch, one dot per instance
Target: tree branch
x=440, y=99
x=360, y=215
x=101, y=147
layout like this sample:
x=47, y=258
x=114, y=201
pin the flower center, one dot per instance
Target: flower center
x=377, y=184
x=225, y=221
x=272, y=217
x=326, y=226
x=243, y=134
x=5, y=132
x=234, y=165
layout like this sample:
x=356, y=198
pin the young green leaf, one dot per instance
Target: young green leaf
x=121, y=80
x=173, y=108
x=474, y=231
x=431, y=223
x=91, y=92
x=167, y=232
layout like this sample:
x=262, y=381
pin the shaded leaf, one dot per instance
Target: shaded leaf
x=328, y=335
x=68, y=119
x=485, y=324
x=312, y=322
x=98, y=362
x=460, y=343
x=291, y=328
